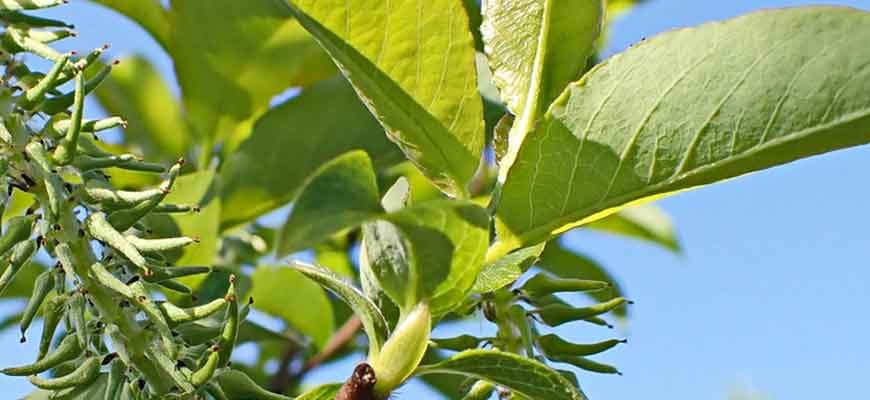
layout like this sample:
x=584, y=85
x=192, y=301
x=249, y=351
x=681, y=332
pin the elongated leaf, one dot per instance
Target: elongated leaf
x=149, y=14
x=535, y=48
x=689, y=108
x=232, y=56
x=342, y=193
x=519, y=374
x=565, y=263
x=507, y=269
x=323, y=392
x=645, y=222
x=137, y=92
x=237, y=385
x=413, y=63
x=291, y=141
x=286, y=293
x=373, y=321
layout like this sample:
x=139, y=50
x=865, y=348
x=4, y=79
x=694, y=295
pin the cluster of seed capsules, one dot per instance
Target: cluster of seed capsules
x=102, y=326
x=519, y=312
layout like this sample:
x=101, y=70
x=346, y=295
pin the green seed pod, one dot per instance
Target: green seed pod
x=557, y=314
x=543, y=284
x=207, y=370
x=160, y=245
x=77, y=318
x=37, y=93
x=457, y=343
x=18, y=230
x=481, y=390
x=46, y=36
x=86, y=373
x=176, y=315
x=60, y=103
x=586, y=364
x=91, y=125
x=21, y=254
x=18, y=42
x=99, y=228
x=176, y=286
x=67, y=350
x=66, y=149
x=115, y=380
x=553, y=344
x=41, y=287
x=105, y=278
x=80, y=65
x=86, y=163
x=17, y=5
x=175, y=208
x=66, y=258
x=143, y=301
x=100, y=192
x=124, y=219
x=161, y=274
x=52, y=314
x=11, y=18
x=403, y=351
x=230, y=331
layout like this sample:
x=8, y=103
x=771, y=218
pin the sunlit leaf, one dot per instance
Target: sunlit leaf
x=689, y=108
x=413, y=63
x=286, y=293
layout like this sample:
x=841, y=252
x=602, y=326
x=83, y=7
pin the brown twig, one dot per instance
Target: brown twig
x=283, y=379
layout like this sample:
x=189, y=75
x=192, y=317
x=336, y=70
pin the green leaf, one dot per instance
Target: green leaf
x=137, y=92
x=322, y=392
x=442, y=244
x=535, y=48
x=291, y=141
x=506, y=269
x=238, y=386
x=373, y=321
x=519, y=374
x=644, y=222
x=413, y=63
x=286, y=293
x=565, y=263
x=231, y=57
x=149, y=14
x=342, y=193
x=689, y=108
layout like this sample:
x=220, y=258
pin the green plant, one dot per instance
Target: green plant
x=380, y=157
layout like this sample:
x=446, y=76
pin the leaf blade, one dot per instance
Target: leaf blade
x=662, y=155
x=520, y=374
x=431, y=110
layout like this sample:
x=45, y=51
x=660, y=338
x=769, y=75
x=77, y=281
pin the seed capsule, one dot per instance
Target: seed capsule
x=18, y=230
x=86, y=373
x=67, y=350
x=543, y=284
x=586, y=364
x=21, y=254
x=558, y=314
x=176, y=315
x=41, y=287
x=553, y=344
x=52, y=313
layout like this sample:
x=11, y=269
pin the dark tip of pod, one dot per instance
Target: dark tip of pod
x=141, y=383
x=133, y=280
x=251, y=300
x=623, y=341
x=108, y=358
x=194, y=297
x=22, y=340
x=180, y=364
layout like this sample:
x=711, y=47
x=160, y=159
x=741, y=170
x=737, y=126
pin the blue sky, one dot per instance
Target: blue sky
x=771, y=292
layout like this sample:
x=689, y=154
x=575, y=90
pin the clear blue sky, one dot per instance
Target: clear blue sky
x=771, y=293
